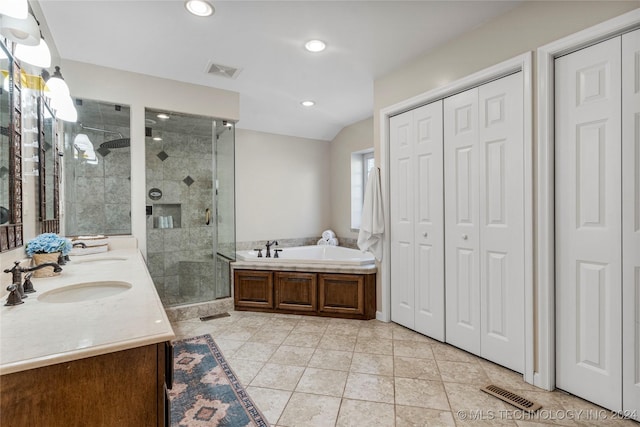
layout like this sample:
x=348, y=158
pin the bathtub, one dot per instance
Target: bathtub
x=334, y=255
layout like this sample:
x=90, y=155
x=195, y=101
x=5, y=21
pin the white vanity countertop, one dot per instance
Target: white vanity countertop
x=37, y=333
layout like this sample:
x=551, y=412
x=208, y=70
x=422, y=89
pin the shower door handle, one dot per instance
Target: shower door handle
x=207, y=216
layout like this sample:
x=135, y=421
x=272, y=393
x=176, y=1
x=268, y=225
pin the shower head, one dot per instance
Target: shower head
x=116, y=143
x=121, y=142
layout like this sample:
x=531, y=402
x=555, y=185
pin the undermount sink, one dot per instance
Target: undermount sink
x=84, y=291
x=103, y=260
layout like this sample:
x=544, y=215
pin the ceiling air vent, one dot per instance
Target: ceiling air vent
x=223, y=70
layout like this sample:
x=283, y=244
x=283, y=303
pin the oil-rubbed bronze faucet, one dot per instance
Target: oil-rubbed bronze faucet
x=18, y=292
x=268, y=245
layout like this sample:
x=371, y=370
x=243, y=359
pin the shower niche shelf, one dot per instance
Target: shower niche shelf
x=167, y=215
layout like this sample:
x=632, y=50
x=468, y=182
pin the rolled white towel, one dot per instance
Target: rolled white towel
x=322, y=242
x=328, y=234
x=333, y=242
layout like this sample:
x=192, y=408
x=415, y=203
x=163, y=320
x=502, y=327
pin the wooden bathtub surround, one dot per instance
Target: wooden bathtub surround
x=351, y=296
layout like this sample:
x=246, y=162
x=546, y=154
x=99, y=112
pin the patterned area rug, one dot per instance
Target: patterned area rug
x=205, y=390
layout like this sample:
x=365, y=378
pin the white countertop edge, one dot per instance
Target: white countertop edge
x=54, y=359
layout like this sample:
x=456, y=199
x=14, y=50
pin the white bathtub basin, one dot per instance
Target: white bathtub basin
x=330, y=255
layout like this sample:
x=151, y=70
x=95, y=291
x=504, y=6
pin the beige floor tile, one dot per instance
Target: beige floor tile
x=422, y=393
x=281, y=377
x=411, y=416
x=342, y=329
x=375, y=332
x=420, y=350
x=404, y=334
x=228, y=347
x=271, y=402
x=322, y=381
x=331, y=359
x=238, y=333
x=303, y=339
x=408, y=367
x=281, y=324
x=338, y=342
x=292, y=355
x=374, y=345
x=359, y=413
x=310, y=410
x=310, y=327
x=269, y=336
x=462, y=372
x=375, y=388
x=257, y=351
x=376, y=364
x=245, y=370
x=452, y=354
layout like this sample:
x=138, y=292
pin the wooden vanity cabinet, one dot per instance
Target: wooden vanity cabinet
x=124, y=388
x=350, y=296
x=296, y=291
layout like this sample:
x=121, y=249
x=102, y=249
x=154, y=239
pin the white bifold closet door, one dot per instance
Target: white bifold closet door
x=417, y=258
x=588, y=224
x=484, y=220
x=631, y=222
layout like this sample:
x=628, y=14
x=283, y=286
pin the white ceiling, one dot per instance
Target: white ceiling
x=365, y=40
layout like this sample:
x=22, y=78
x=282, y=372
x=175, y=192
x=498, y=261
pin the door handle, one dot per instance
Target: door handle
x=425, y=234
x=465, y=237
x=207, y=216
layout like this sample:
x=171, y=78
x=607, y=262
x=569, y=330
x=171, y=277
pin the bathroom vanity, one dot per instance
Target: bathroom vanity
x=90, y=347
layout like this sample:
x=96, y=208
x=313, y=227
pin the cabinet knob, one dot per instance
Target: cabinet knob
x=465, y=237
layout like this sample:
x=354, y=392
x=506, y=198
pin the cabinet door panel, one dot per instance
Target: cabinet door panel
x=588, y=223
x=341, y=293
x=253, y=289
x=462, y=247
x=296, y=291
x=631, y=221
x=501, y=221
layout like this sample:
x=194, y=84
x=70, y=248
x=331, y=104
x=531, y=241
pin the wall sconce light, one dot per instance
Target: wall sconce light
x=38, y=56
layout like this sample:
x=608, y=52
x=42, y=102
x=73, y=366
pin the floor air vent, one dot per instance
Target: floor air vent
x=512, y=398
x=214, y=316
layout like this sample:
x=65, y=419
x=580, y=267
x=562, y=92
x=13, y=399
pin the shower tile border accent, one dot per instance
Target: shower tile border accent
x=162, y=156
x=192, y=311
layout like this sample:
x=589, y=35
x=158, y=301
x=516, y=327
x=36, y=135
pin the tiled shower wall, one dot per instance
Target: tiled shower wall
x=98, y=197
x=181, y=259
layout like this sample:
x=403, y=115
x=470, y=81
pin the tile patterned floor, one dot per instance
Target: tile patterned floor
x=309, y=371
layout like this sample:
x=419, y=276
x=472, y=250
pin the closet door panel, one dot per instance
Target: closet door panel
x=501, y=220
x=461, y=228
x=402, y=219
x=588, y=224
x=429, y=222
x=631, y=222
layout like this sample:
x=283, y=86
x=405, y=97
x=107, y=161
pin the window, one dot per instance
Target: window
x=361, y=164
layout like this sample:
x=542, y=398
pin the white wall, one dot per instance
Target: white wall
x=282, y=186
x=356, y=137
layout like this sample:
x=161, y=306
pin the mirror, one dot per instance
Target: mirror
x=10, y=153
x=97, y=170
x=49, y=167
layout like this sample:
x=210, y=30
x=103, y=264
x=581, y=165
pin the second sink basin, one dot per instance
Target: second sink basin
x=84, y=291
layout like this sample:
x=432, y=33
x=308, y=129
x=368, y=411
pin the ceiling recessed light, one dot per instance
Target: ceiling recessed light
x=315, y=45
x=199, y=7
x=308, y=103
x=162, y=116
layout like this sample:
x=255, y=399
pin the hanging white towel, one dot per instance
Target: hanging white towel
x=372, y=224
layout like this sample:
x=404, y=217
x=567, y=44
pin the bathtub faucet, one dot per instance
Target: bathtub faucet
x=268, y=245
